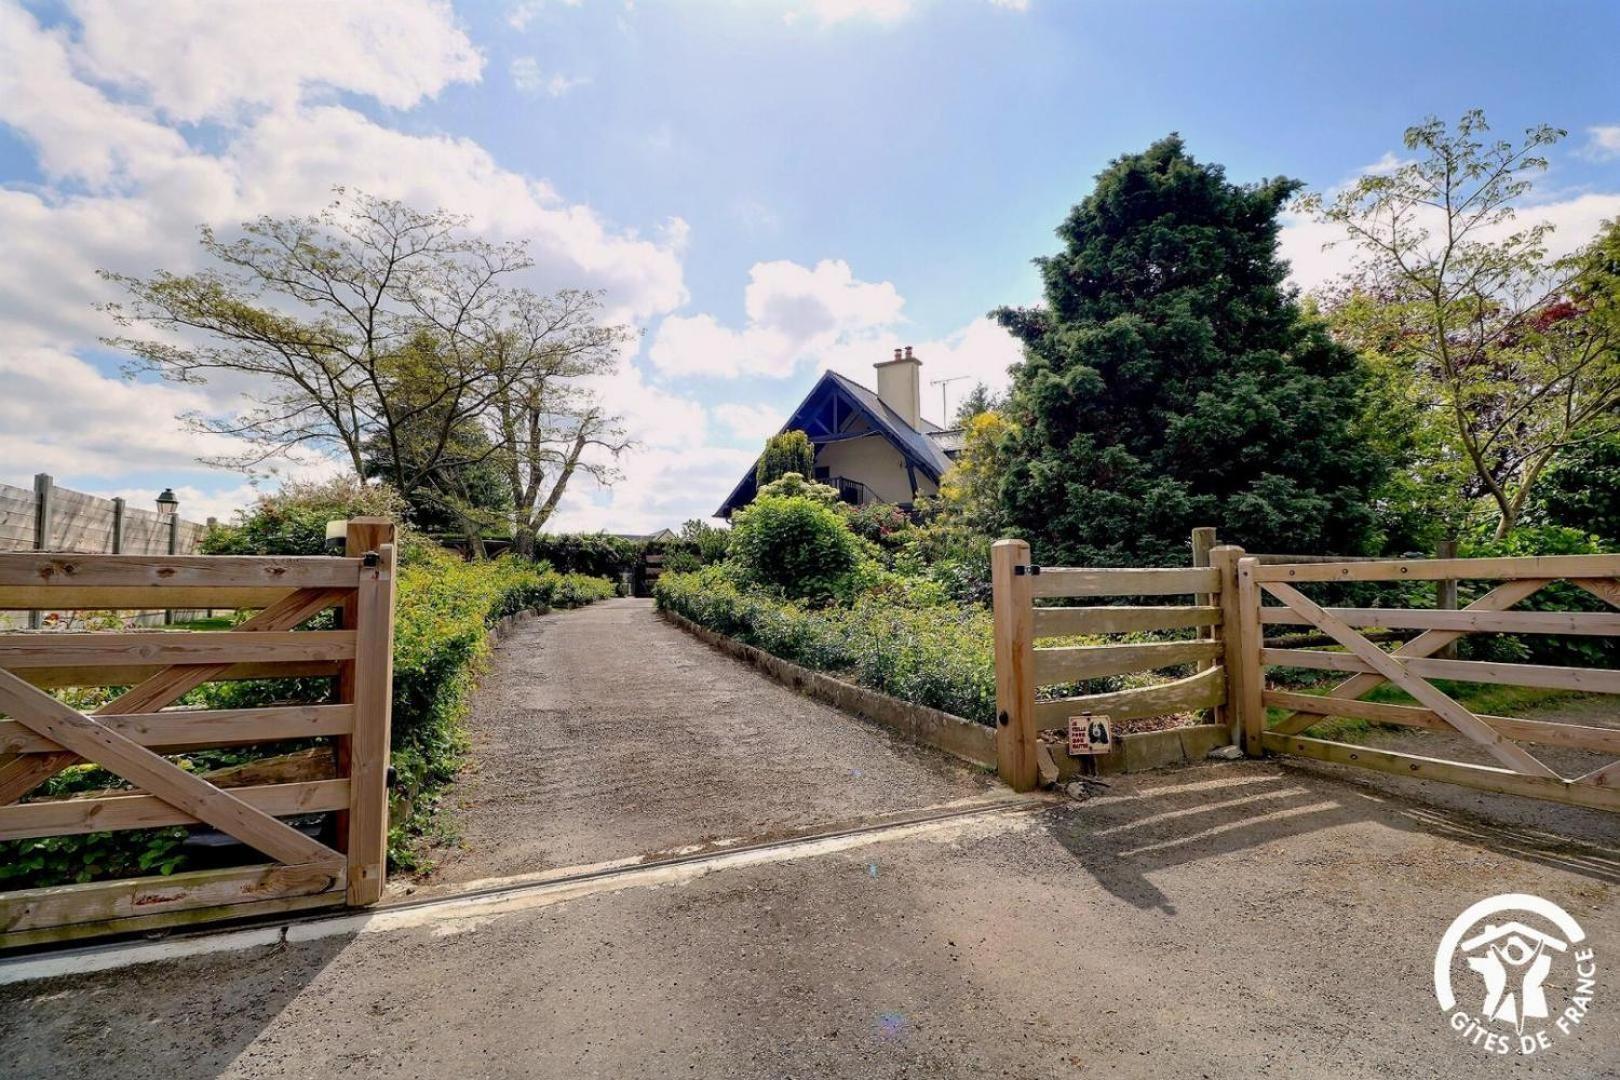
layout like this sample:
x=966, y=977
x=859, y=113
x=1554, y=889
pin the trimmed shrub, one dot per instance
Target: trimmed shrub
x=1603, y=652
x=598, y=554
x=793, y=485
x=709, y=543
x=797, y=545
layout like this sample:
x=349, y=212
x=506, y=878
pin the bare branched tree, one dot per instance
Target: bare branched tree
x=547, y=425
x=390, y=336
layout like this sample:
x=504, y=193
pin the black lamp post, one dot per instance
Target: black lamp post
x=169, y=506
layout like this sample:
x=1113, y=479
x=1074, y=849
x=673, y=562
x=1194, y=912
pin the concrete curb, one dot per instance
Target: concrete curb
x=975, y=743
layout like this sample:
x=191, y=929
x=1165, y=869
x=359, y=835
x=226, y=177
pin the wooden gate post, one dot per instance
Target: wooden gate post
x=1013, y=608
x=1203, y=542
x=1250, y=704
x=1240, y=655
x=370, y=685
x=44, y=511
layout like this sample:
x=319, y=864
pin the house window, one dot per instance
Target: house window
x=822, y=473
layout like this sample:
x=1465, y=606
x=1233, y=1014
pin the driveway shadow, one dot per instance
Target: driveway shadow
x=177, y=1019
x=1157, y=821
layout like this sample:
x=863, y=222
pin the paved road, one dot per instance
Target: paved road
x=1221, y=921
x=606, y=733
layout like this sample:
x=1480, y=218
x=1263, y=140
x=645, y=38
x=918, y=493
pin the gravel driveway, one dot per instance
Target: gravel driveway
x=606, y=733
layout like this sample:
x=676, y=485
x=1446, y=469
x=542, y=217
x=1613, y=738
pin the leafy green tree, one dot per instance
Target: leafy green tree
x=1171, y=380
x=970, y=492
x=789, y=452
x=1514, y=350
x=465, y=495
x=375, y=329
x=709, y=542
x=292, y=519
x=979, y=400
x=1583, y=490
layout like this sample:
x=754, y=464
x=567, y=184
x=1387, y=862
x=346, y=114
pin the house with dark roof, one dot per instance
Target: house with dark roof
x=872, y=445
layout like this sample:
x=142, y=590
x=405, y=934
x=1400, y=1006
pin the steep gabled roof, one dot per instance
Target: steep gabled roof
x=920, y=452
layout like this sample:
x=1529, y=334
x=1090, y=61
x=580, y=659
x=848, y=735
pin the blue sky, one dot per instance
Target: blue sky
x=764, y=187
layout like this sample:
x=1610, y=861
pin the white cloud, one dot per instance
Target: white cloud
x=828, y=12
x=750, y=423
x=529, y=79
x=1603, y=141
x=795, y=314
x=124, y=189
x=662, y=488
x=521, y=13
x=60, y=415
x=209, y=61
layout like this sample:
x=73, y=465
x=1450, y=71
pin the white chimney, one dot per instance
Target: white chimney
x=899, y=385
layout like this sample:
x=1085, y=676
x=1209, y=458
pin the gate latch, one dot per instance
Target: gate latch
x=1020, y=569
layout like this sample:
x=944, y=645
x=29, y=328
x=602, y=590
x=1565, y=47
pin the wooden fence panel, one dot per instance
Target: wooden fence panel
x=1411, y=667
x=1020, y=668
x=40, y=735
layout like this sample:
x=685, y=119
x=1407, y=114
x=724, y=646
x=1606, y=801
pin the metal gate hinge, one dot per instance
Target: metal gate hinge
x=371, y=559
x=1020, y=569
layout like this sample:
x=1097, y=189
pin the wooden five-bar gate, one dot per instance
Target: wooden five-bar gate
x=1236, y=597
x=130, y=735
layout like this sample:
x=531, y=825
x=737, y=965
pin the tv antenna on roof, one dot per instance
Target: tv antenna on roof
x=944, y=412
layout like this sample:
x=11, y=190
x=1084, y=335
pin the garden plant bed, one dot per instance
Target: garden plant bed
x=1148, y=743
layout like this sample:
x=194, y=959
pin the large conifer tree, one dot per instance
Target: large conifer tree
x=1171, y=380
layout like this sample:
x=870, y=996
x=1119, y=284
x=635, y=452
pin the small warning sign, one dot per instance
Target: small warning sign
x=1090, y=735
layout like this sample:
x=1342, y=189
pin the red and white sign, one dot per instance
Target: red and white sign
x=1090, y=735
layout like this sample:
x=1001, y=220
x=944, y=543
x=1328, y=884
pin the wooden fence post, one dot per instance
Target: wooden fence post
x=1013, y=608
x=1445, y=593
x=1251, y=711
x=44, y=512
x=1203, y=542
x=118, y=525
x=369, y=683
x=1236, y=652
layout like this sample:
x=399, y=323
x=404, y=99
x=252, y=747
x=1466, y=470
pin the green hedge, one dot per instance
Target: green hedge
x=892, y=639
x=443, y=611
